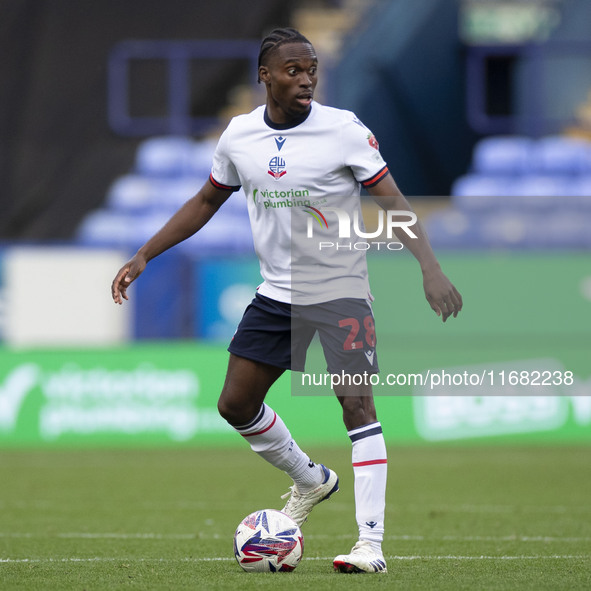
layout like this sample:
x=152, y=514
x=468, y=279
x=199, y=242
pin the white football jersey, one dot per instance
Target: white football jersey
x=293, y=176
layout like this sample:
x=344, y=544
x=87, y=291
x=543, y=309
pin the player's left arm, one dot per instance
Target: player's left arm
x=443, y=297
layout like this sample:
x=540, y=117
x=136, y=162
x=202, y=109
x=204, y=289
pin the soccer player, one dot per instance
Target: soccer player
x=294, y=155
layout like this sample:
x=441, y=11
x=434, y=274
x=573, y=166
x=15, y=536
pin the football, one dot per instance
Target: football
x=268, y=541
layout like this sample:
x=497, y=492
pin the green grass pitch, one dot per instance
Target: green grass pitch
x=457, y=518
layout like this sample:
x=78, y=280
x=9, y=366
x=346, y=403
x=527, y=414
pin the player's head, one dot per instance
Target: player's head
x=287, y=67
x=275, y=39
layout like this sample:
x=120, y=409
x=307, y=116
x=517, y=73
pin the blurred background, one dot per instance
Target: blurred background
x=110, y=112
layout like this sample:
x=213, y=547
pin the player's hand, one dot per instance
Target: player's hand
x=443, y=297
x=126, y=275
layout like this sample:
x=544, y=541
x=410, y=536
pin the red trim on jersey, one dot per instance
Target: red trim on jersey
x=221, y=186
x=262, y=430
x=376, y=178
x=369, y=463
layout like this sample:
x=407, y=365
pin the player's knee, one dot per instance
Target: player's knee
x=235, y=414
x=227, y=411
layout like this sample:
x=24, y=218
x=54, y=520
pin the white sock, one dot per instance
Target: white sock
x=370, y=469
x=270, y=438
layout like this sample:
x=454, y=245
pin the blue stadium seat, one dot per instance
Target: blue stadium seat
x=168, y=171
x=477, y=185
x=582, y=188
x=173, y=192
x=561, y=155
x=235, y=205
x=131, y=193
x=147, y=225
x=534, y=185
x=103, y=227
x=521, y=193
x=165, y=156
x=479, y=205
x=450, y=228
x=503, y=155
x=202, y=157
x=222, y=235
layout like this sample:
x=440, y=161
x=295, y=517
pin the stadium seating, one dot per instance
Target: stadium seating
x=582, y=189
x=453, y=228
x=520, y=193
x=503, y=155
x=164, y=156
x=167, y=171
x=481, y=185
x=540, y=185
x=107, y=228
x=172, y=193
x=131, y=193
x=561, y=155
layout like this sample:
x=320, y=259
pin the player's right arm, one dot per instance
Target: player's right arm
x=190, y=218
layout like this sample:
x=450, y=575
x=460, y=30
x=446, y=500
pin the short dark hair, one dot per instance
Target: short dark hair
x=276, y=38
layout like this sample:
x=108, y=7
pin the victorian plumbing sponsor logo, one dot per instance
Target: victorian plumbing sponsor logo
x=279, y=199
x=76, y=400
x=13, y=392
x=388, y=220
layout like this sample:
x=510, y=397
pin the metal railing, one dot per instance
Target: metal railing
x=177, y=56
x=533, y=58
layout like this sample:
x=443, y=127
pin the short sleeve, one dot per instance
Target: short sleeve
x=361, y=152
x=223, y=172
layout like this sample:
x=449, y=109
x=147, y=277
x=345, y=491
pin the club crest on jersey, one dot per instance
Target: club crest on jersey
x=277, y=167
x=371, y=138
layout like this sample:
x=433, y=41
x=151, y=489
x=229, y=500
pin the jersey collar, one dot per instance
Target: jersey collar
x=293, y=123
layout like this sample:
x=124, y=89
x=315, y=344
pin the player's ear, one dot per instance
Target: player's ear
x=264, y=75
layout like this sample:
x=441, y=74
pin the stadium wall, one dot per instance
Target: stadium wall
x=563, y=78
x=513, y=340
x=163, y=395
x=57, y=153
x=404, y=78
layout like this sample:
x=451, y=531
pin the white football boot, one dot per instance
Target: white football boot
x=362, y=559
x=299, y=505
